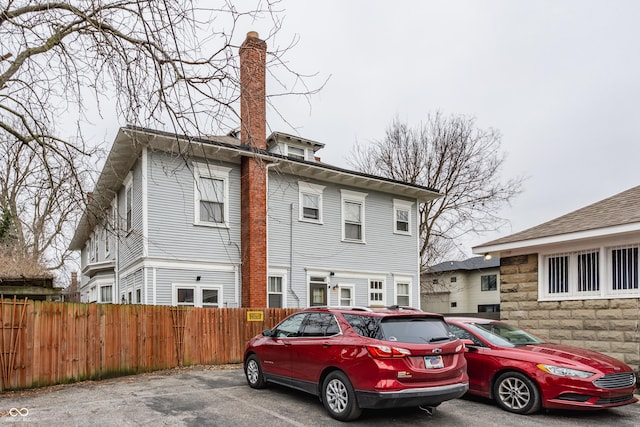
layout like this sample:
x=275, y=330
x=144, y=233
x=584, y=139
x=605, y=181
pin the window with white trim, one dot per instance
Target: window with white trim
x=275, y=296
x=295, y=152
x=106, y=294
x=211, y=193
x=606, y=272
x=376, y=293
x=107, y=239
x=210, y=297
x=353, y=216
x=185, y=296
x=402, y=294
x=310, y=200
x=346, y=295
x=624, y=269
x=138, y=296
x=402, y=217
x=128, y=202
x=197, y=295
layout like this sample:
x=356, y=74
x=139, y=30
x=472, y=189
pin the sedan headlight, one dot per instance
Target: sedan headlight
x=564, y=372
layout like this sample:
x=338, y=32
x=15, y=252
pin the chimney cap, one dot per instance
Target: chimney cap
x=253, y=35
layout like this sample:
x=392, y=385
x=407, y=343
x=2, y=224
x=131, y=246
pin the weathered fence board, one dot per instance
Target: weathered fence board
x=45, y=343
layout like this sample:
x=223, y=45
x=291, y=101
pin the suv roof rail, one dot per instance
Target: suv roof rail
x=402, y=307
x=342, y=307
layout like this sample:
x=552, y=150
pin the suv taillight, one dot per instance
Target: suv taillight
x=384, y=351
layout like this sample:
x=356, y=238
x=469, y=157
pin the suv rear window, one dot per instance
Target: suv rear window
x=401, y=329
x=415, y=330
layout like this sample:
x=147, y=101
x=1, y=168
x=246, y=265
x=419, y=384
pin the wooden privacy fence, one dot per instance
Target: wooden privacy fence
x=44, y=343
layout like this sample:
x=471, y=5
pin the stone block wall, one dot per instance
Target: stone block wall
x=610, y=326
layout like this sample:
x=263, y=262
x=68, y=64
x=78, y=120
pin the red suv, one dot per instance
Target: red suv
x=355, y=358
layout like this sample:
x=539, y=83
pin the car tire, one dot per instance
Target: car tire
x=339, y=398
x=253, y=372
x=515, y=392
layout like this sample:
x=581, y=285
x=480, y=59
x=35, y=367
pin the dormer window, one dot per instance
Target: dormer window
x=295, y=152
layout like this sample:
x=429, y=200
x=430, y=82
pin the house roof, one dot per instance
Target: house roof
x=130, y=140
x=475, y=263
x=616, y=213
x=285, y=137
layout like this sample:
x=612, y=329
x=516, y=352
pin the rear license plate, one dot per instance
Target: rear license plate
x=433, y=362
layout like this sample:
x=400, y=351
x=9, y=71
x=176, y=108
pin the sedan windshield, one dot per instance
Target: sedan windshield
x=503, y=334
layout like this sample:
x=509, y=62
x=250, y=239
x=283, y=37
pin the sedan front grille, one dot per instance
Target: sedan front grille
x=621, y=380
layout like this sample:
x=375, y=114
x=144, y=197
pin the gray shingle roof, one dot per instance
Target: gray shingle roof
x=620, y=209
x=475, y=263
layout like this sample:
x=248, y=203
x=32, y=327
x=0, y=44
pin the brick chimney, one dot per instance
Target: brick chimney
x=253, y=184
x=73, y=289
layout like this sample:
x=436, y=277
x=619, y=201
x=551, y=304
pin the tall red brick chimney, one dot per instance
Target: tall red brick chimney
x=253, y=184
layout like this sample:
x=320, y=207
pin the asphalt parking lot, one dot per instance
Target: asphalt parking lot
x=219, y=396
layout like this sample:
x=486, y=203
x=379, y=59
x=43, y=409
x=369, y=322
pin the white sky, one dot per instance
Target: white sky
x=559, y=79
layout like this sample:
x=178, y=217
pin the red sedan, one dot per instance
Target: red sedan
x=523, y=373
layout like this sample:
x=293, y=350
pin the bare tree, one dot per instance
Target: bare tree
x=453, y=156
x=40, y=203
x=168, y=64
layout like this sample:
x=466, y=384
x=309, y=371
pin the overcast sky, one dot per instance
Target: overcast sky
x=558, y=79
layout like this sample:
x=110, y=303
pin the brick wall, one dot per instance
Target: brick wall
x=610, y=326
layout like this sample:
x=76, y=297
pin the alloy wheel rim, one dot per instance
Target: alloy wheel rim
x=252, y=372
x=337, y=396
x=514, y=393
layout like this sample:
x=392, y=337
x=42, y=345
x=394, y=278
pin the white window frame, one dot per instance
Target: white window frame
x=605, y=271
x=203, y=170
x=106, y=301
x=381, y=292
x=197, y=294
x=352, y=291
x=110, y=228
x=210, y=288
x=90, y=252
x=128, y=204
x=306, y=188
x=353, y=197
x=283, y=288
x=402, y=205
x=403, y=281
x=296, y=155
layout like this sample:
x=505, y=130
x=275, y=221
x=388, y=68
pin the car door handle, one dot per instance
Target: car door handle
x=325, y=345
x=287, y=343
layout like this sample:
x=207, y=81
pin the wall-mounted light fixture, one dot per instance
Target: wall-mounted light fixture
x=335, y=288
x=197, y=278
x=332, y=274
x=487, y=256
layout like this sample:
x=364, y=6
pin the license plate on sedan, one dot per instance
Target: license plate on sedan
x=433, y=362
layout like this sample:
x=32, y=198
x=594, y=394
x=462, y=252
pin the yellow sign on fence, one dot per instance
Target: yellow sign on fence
x=255, y=316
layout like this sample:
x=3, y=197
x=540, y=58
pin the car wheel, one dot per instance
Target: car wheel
x=253, y=372
x=516, y=393
x=339, y=398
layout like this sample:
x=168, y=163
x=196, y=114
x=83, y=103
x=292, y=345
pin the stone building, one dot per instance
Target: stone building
x=575, y=279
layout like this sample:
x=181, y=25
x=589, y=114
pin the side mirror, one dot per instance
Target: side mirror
x=267, y=332
x=469, y=345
